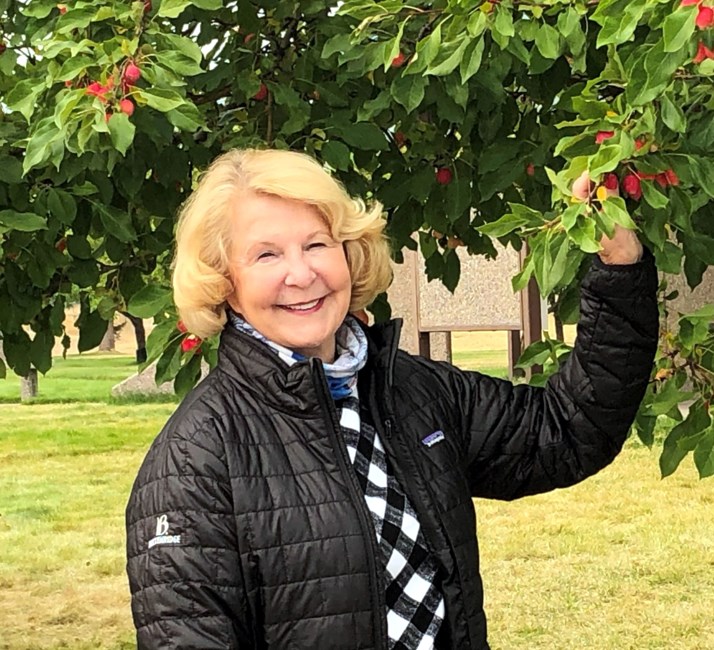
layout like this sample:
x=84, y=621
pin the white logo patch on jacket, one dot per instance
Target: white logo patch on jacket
x=162, y=533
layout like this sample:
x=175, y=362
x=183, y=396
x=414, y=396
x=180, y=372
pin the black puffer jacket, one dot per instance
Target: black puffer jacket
x=246, y=526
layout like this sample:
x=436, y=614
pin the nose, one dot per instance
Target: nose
x=299, y=272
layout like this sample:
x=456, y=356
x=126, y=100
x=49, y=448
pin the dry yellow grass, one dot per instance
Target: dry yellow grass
x=621, y=561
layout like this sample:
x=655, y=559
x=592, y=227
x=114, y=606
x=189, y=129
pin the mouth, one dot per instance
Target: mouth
x=304, y=307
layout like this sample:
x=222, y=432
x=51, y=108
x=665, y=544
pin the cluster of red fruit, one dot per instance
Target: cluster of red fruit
x=130, y=75
x=631, y=183
x=191, y=341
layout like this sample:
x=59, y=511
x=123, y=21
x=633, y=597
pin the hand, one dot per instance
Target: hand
x=624, y=247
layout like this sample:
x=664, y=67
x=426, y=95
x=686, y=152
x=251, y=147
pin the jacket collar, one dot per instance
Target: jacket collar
x=259, y=370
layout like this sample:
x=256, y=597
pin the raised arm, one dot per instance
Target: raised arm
x=183, y=564
x=524, y=440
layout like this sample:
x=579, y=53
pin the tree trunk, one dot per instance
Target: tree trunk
x=108, y=343
x=140, y=335
x=28, y=385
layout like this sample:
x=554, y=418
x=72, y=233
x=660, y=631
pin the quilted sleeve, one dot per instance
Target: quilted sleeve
x=522, y=440
x=182, y=558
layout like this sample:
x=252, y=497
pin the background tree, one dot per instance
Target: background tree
x=467, y=121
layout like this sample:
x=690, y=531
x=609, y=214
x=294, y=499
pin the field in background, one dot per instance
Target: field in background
x=89, y=377
x=622, y=561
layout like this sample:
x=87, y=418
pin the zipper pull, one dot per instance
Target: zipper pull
x=388, y=428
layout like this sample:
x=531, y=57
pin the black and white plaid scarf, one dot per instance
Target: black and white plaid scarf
x=415, y=605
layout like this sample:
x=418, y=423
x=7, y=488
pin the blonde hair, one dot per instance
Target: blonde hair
x=201, y=267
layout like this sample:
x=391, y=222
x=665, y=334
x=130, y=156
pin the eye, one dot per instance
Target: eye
x=317, y=244
x=266, y=255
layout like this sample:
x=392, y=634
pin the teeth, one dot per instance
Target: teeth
x=304, y=307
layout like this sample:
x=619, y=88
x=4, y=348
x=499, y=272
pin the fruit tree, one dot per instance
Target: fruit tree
x=477, y=121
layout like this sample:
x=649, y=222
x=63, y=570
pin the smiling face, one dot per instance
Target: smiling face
x=290, y=277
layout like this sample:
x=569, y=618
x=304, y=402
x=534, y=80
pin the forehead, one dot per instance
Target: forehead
x=260, y=215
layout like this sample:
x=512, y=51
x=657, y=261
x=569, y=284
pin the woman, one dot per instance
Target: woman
x=314, y=491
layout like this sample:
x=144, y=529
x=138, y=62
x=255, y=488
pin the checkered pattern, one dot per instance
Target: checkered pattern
x=415, y=606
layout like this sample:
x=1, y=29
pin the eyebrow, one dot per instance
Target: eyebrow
x=309, y=236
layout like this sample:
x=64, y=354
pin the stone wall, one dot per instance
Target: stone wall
x=483, y=300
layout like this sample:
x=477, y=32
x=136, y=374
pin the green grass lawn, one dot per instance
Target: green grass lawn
x=78, y=378
x=622, y=561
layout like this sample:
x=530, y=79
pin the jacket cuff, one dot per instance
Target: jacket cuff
x=622, y=280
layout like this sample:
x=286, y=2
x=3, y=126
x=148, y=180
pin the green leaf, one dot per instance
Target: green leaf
x=374, y=106
x=162, y=99
x=41, y=350
x=22, y=221
x=669, y=258
x=615, y=208
x=46, y=145
x=536, y=354
x=672, y=115
x=520, y=217
x=653, y=196
x=368, y=137
x=22, y=97
x=10, y=170
x=583, y=234
x=178, y=63
x=149, y=301
x=168, y=364
x=116, y=222
x=188, y=376
x=92, y=328
x=338, y=43
x=62, y=205
x=391, y=51
x=558, y=259
x=174, y=8
x=570, y=215
x=606, y=159
x=186, y=117
x=337, y=155
x=444, y=66
x=472, y=59
x=452, y=270
x=619, y=19
x=678, y=28
x=181, y=44
x=427, y=50
x=704, y=454
x=121, y=131
x=548, y=41
x=409, y=91
x=159, y=339
x=666, y=399
x=503, y=24
x=684, y=438
x=521, y=279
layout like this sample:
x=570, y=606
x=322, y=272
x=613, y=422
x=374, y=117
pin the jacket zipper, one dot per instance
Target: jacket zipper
x=358, y=501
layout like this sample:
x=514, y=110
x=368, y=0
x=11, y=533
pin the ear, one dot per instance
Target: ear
x=232, y=298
